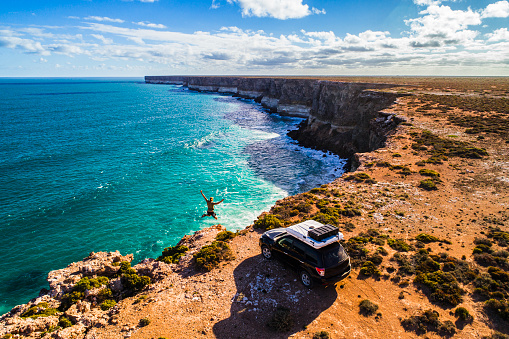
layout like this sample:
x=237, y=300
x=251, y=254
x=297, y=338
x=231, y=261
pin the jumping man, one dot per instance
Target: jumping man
x=210, y=206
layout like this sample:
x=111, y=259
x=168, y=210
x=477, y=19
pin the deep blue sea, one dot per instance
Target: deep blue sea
x=116, y=164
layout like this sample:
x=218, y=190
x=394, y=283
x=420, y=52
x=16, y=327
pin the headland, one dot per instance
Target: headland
x=424, y=212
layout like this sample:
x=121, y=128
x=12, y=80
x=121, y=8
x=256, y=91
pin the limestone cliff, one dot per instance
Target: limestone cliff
x=345, y=118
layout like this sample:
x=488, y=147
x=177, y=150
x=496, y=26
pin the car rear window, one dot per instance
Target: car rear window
x=333, y=255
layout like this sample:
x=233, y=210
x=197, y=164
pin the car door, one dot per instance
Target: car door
x=284, y=250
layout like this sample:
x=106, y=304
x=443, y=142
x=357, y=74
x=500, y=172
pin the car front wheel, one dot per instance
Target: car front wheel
x=306, y=279
x=266, y=252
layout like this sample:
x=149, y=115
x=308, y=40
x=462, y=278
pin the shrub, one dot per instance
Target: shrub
x=107, y=304
x=144, y=322
x=268, y=222
x=87, y=283
x=501, y=307
x=443, y=286
x=361, y=177
x=209, y=256
x=426, y=238
x=463, y=314
x=496, y=335
x=367, y=307
x=321, y=335
x=368, y=269
x=382, y=251
x=429, y=173
x=39, y=310
x=225, y=236
x=281, y=321
x=64, y=322
x=428, y=185
x=135, y=282
x=172, y=254
x=428, y=322
x=399, y=245
x=349, y=227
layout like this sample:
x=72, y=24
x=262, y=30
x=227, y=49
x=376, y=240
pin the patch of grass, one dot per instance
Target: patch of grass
x=281, y=321
x=268, y=222
x=209, y=256
x=470, y=103
x=172, y=254
x=440, y=149
x=367, y=307
x=349, y=227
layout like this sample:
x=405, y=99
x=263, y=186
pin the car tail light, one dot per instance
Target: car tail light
x=320, y=271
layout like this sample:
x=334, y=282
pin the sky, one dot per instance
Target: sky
x=78, y=38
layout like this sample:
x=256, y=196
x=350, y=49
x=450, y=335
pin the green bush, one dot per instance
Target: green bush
x=429, y=173
x=426, y=238
x=428, y=322
x=428, y=185
x=226, y=235
x=87, y=283
x=135, y=282
x=268, y=222
x=64, y=322
x=443, y=286
x=369, y=269
x=172, y=254
x=209, y=256
x=501, y=307
x=360, y=177
x=281, y=321
x=367, y=307
x=107, y=304
x=39, y=310
x=399, y=245
x=463, y=314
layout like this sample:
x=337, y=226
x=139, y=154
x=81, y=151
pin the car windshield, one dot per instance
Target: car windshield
x=333, y=255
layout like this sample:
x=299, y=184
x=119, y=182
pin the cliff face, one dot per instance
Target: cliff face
x=344, y=118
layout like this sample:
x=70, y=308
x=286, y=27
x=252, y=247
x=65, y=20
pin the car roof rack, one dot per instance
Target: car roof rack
x=315, y=234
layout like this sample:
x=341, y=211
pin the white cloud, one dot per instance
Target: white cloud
x=498, y=35
x=499, y=9
x=149, y=24
x=102, y=38
x=282, y=9
x=103, y=18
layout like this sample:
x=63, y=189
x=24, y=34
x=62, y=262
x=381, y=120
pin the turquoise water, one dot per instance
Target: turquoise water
x=116, y=164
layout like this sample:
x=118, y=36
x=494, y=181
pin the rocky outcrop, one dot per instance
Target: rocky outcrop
x=344, y=118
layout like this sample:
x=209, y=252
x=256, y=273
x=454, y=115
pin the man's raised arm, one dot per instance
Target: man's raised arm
x=203, y=195
x=217, y=203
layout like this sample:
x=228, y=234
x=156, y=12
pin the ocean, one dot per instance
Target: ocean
x=102, y=164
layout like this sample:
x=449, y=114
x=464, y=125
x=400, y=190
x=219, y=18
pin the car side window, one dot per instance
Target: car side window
x=286, y=243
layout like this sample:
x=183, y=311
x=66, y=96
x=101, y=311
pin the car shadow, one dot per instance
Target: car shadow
x=262, y=287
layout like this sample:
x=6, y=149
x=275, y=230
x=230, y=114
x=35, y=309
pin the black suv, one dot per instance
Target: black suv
x=325, y=265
